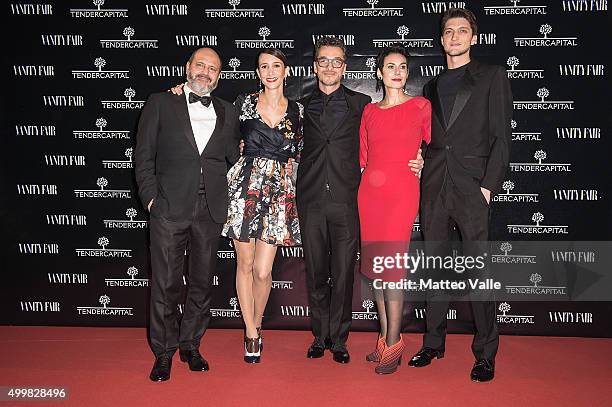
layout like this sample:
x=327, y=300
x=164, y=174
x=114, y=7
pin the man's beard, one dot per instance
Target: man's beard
x=201, y=89
x=330, y=81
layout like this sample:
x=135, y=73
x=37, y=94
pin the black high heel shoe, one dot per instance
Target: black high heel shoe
x=252, y=351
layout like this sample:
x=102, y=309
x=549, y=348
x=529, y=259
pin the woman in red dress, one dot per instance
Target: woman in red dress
x=392, y=132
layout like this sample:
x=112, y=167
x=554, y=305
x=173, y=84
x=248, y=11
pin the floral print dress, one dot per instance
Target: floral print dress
x=261, y=192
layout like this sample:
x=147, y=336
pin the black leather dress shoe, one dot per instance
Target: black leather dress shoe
x=341, y=356
x=425, y=356
x=315, y=351
x=317, y=348
x=161, y=368
x=196, y=362
x=483, y=370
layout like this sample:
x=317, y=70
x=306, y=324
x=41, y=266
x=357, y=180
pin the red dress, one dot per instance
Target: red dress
x=389, y=190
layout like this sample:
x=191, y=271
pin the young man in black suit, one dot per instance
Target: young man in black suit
x=466, y=162
x=327, y=183
x=184, y=145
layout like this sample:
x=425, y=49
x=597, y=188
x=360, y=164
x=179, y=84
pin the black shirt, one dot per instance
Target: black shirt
x=328, y=109
x=448, y=85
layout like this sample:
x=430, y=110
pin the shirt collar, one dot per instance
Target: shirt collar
x=187, y=90
x=337, y=94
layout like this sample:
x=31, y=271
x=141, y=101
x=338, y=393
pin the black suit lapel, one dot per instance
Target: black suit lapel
x=434, y=99
x=182, y=113
x=463, y=95
x=220, y=112
x=309, y=117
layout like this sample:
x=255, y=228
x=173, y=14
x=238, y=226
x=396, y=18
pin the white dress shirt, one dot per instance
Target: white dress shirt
x=203, y=120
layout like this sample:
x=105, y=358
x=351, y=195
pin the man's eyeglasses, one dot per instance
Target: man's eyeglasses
x=324, y=62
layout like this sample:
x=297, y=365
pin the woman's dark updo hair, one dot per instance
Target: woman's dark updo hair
x=275, y=53
x=380, y=60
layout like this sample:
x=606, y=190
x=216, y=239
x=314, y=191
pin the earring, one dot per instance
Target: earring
x=260, y=86
x=285, y=81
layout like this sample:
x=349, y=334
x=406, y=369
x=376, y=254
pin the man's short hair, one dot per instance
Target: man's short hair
x=329, y=41
x=459, y=13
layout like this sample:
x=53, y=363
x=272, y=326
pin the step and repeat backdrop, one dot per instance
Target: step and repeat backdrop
x=79, y=72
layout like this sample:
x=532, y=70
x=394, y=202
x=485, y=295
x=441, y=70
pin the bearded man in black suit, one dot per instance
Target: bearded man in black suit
x=184, y=146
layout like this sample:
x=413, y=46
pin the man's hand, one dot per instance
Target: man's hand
x=487, y=194
x=150, y=203
x=417, y=165
x=177, y=90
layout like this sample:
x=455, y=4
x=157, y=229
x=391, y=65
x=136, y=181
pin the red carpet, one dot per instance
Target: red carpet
x=109, y=367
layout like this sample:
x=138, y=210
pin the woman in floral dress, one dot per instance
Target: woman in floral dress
x=262, y=213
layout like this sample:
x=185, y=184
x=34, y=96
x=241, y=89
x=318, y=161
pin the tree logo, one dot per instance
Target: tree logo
x=367, y=305
x=512, y=62
x=264, y=32
x=504, y=307
x=99, y=63
x=403, y=31
x=131, y=213
x=234, y=3
x=102, y=182
x=128, y=153
x=508, y=186
x=104, y=300
x=129, y=33
x=234, y=63
x=542, y=93
x=101, y=123
x=372, y=2
x=234, y=303
x=540, y=155
x=129, y=93
x=537, y=217
x=505, y=247
x=132, y=271
x=371, y=63
x=98, y=3
x=103, y=241
x=535, y=278
x=545, y=29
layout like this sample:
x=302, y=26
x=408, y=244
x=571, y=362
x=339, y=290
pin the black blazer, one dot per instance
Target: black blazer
x=473, y=149
x=168, y=163
x=335, y=157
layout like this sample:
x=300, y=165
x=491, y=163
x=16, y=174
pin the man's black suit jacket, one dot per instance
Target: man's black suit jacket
x=473, y=148
x=168, y=163
x=333, y=157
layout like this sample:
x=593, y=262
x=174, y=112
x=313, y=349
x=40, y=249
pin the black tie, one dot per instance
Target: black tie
x=205, y=100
